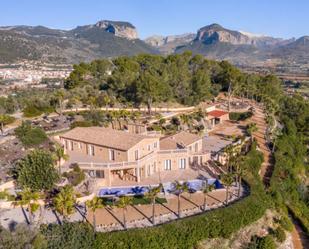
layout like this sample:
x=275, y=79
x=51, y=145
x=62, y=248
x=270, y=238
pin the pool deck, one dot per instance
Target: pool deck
x=111, y=218
x=161, y=177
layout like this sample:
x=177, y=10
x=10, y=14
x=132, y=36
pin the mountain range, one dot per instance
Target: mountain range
x=84, y=43
x=114, y=38
x=239, y=47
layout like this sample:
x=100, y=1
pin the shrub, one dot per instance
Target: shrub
x=81, y=124
x=286, y=223
x=5, y=120
x=29, y=135
x=266, y=243
x=69, y=235
x=261, y=243
x=21, y=237
x=36, y=171
x=279, y=234
x=76, y=176
x=3, y=195
x=31, y=111
x=240, y=116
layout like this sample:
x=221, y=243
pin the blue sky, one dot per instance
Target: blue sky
x=280, y=18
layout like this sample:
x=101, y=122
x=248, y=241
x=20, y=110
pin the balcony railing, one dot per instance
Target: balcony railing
x=112, y=165
x=172, y=151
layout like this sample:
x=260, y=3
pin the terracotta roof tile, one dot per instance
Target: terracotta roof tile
x=106, y=137
x=217, y=113
x=178, y=141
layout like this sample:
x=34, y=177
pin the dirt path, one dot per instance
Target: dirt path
x=299, y=238
x=267, y=166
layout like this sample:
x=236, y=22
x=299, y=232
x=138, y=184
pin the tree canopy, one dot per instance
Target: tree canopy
x=30, y=136
x=149, y=79
x=36, y=171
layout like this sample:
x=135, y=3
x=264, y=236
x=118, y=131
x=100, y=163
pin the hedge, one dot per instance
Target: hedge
x=240, y=116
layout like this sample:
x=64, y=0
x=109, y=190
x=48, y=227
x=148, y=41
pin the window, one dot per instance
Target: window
x=71, y=145
x=167, y=164
x=90, y=150
x=196, y=147
x=148, y=170
x=155, y=145
x=149, y=147
x=66, y=144
x=136, y=154
x=99, y=173
x=182, y=163
x=112, y=155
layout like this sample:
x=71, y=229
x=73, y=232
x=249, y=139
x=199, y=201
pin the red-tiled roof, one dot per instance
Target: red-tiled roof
x=217, y=113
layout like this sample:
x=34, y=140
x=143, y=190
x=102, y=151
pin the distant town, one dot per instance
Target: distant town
x=32, y=74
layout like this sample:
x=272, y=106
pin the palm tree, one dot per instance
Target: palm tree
x=227, y=180
x=240, y=174
x=239, y=170
x=251, y=128
x=110, y=118
x=176, y=122
x=30, y=199
x=184, y=119
x=124, y=202
x=135, y=115
x=124, y=114
x=206, y=189
x=60, y=154
x=59, y=95
x=201, y=115
x=93, y=205
x=229, y=154
x=152, y=194
x=117, y=116
x=179, y=190
x=65, y=201
x=106, y=101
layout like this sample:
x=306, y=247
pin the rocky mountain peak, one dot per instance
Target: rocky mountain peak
x=216, y=33
x=304, y=40
x=213, y=26
x=120, y=29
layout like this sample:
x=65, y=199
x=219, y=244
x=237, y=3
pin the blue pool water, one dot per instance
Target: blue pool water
x=194, y=185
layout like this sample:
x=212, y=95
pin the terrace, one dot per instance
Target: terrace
x=111, y=218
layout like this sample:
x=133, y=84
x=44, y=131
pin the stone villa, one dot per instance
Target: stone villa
x=113, y=155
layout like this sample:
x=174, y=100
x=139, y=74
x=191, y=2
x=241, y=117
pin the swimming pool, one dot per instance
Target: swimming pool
x=193, y=185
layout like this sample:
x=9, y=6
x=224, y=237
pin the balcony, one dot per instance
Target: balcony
x=172, y=151
x=115, y=165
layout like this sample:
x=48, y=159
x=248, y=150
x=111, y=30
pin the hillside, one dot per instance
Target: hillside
x=84, y=43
